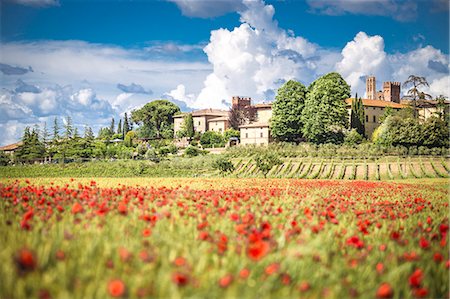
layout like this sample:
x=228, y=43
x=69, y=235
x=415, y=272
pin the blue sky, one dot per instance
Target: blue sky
x=94, y=60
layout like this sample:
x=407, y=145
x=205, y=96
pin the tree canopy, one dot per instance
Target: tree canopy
x=325, y=115
x=156, y=118
x=357, y=118
x=286, y=123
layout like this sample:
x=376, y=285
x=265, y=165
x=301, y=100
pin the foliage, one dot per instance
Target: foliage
x=129, y=137
x=286, y=123
x=32, y=148
x=231, y=133
x=408, y=131
x=241, y=115
x=187, y=128
x=157, y=116
x=353, y=137
x=5, y=159
x=192, y=151
x=212, y=139
x=224, y=165
x=414, y=93
x=266, y=161
x=325, y=114
x=357, y=116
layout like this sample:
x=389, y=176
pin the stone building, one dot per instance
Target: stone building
x=373, y=110
x=204, y=120
x=258, y=132
x=390, y=92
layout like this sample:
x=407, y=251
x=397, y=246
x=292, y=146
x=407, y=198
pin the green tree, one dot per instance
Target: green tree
x=212, y=139
x=224, y=165
x=441, y=108
x=436, y=132
x=157, y=115
x=128, y=141
x=286, y=123
x=32, y=148
x=119, y=127
x=126, y=126
x=68, y=128
x=55, y=129
x=325, y=114
x=112, y=126
x=414, y=94
x=265, y=162
x=187, y=128
x=88, y=133
x=227, y=134
x=357, y=116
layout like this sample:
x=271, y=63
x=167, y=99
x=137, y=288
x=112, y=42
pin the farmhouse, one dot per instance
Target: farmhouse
x=257, y=132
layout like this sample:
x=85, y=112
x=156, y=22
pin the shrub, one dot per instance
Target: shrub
x=353, y=137
x=192, y=151
x=223, y=165
x=212, y=139
x=266, y=161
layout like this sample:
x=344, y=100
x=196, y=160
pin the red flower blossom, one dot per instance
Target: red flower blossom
x=416, y=278
x=180, y=279
x=272, y=268
x=420, y=293
x=438, y=257
x=179, y=261
x=355, y=242
x=385, y=291
x=225, y=281
x=77, y=208
x=147, y=232
x=257, y=250
x=424, y=243
x=116, y=288
x=25, y=261
x=380, y=268
x=285, y=278
x=122, y=208
x=304, y=286
x=244, y=273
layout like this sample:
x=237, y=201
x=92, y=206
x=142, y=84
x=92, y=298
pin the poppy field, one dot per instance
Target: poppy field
x=224, y=238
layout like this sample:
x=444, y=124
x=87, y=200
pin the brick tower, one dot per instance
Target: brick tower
x=240, y=102
x=391, y=91
x=371, y=88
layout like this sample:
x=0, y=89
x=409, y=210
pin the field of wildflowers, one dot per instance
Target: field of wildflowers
x=223, y=238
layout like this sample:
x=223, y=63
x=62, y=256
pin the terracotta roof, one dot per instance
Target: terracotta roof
x=377, y=103
x=263, y=105
x=11, y=147
x=204, y=112
x=255, y=125
x=424, y=103
x=221, y=118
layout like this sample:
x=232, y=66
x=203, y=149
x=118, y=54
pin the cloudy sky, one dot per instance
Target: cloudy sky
x=94, y=60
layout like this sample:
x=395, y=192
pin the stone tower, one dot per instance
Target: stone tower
x=240, y=102
x=371, y=87
x=391, y=91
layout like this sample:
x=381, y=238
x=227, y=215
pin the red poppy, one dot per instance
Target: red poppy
x=146, y=232
x=77, y=208
x=116, y=288
x=421, y=293
x=180, y=279
x=179, y=261
x=304, y=286
x=257, y=250
x=244, y=273
x=272, y=268
x=385, y=291
x=122, y=208
x=416, y=278
x=225, y=281
x=424, y=243
x=25, y=261
x=355, y=242
x=380, y=268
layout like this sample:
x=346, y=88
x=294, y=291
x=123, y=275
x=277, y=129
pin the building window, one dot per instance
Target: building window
x=220, y=129
x=261, y=135
x=374, y=119
x=367, y=118
x=199, y=123
x=246, y=135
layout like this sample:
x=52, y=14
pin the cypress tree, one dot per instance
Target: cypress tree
x=119, y=127
x=126, y=126
x=55, y=129
x=112, y=126
x=357, y=116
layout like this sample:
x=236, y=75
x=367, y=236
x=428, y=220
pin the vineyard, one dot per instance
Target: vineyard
x=316, y=168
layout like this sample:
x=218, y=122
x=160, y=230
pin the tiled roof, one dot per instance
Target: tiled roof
x=377, y=103
x=255, y=125
x=204, y=112
x=11, y=147
x=221, y=118
x=263, y=105
x=424, y=103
